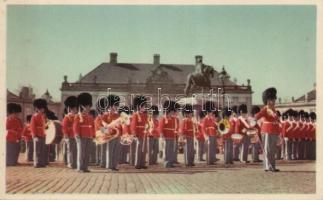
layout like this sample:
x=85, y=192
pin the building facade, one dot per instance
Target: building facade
x=26, y=97
x=306, y=102
x=155, y=80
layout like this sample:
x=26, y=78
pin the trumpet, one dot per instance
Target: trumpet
x=224, y=126
x=110, y=131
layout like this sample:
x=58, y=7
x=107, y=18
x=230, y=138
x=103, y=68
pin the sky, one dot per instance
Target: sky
x=271, y=45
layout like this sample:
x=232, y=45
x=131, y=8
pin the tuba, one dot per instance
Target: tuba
x=224, y=126
x=110, y=131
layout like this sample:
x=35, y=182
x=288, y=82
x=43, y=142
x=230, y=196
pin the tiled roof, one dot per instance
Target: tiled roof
x=311, y=96
x=140, y=72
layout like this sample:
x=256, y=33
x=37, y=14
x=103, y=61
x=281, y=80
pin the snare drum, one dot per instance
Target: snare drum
x=236, y=138
x=53, y=132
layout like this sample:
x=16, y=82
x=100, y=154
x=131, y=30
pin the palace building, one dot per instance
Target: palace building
x=125, y=79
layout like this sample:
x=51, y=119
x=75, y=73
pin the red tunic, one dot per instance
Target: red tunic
x=293, y=130
x=85, y=128
x=285, y=126
x=14, y=127
x=241, y=127
x=138, y=124
x=155, y=131
x=67, y=125
x=167, y=127
x=187, y=127
x=37, y=125
x=200, y=135
x=26, y=133
x=232, y=129
x=270, y=124
x=209, y=126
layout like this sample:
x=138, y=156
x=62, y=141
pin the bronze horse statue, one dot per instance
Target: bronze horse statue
x=201, y=78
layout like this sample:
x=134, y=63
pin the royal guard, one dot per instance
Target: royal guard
x=188, y=130
x=312, y=137
x=236, y=145
x=113, y=145
x=68, y=132
x=140, y=128
x=175, y=115
x=93, y=154
x=133, y=145
x=228, y=143
x=301, y=129
x=200, y=137
x=241, y=127
x=102, y=106
x=295, y=133
x=37, y=126
x=209, y=127
x=14, y=127
x=153, y=137
x=306, y=135
x=84, y=131
x=26, y=134
x=286, y=133
x=280, y=148
x=124, y=149
x=256, y=146
x=270, y=128
x=167, y=126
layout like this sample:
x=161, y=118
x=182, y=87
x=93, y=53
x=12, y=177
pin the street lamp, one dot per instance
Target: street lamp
x=223, y=75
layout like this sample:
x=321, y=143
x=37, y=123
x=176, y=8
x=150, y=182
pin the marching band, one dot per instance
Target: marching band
x=118, y=136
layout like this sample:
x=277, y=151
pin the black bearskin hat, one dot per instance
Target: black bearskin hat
x=113, y=100
x=139, y=101
x=226, y=112
x=306, y=115
x=84, y=99
x=202, y=114
x=243, y=108
x=255, y=110
x=71, y=102
x=278, y=113
x=28, y=118
x=187, y=109
x=102, y=104
x=13, y=108
x=234, y=109
x=313, y=115
x=93, y=113
x=154, y=109
x=269, y=94
x=289, y=112
x=285, y=115
x=301, y=113
x=295, y=113
x=124, y=109
x=40, y=103
x=50, y=115
x=169, y=106
x=209, y=106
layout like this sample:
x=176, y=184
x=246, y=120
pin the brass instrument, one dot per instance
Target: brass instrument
x=149, y=127
x=224, y=126
x=105, y=134
x=127, y=139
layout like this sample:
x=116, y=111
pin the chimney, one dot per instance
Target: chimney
x=156, y=59
x=293, y=99
x=113, y=58
x=198, y=59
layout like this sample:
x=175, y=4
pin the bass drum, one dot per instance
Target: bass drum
x=53, y=132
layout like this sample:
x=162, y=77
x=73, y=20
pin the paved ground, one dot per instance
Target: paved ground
x=295, y=177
